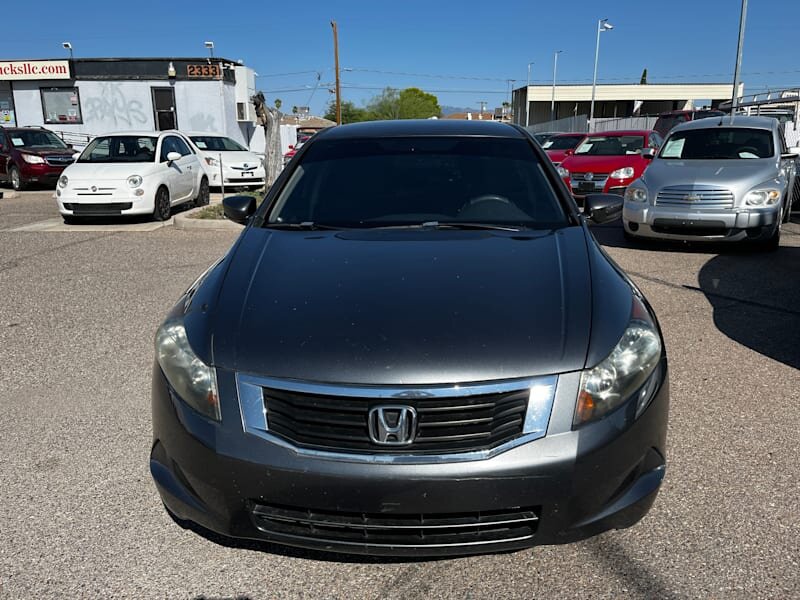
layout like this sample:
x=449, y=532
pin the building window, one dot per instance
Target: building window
x=61, y=105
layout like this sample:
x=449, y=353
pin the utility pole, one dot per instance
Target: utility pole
x=553, y=95
x=739, y=48
x=336, y=66
x=527, y=99
x=483, y=104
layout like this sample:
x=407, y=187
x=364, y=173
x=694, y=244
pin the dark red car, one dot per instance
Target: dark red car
x=560, y=146
x=32, y=155
x=609, y=161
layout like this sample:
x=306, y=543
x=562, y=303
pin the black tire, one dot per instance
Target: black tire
x=15, y=177
x=772, y=243
x=162, y=208
x=786, y=212
x=203, y=194
x=72, y=219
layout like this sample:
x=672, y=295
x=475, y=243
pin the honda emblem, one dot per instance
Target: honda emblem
x=392, y=425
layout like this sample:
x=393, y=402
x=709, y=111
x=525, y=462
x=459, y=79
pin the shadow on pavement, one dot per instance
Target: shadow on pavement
x=756, y=300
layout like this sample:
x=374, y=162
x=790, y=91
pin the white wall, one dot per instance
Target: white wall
x=108, y=106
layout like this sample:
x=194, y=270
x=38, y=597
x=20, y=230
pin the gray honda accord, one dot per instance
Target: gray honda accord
x=415, y=347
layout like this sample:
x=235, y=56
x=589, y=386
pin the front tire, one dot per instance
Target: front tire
x=71, y=220
x=162, y=208
x=204, y=194
x=773, y=242
x=17, y=182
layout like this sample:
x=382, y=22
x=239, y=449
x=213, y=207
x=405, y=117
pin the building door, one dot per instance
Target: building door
x=7, y=116
x=164, y=108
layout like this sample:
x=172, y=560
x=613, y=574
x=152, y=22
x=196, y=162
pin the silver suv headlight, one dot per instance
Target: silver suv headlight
x=765, y=197
x=636, y=194
x=193, y=381
x=627, y=371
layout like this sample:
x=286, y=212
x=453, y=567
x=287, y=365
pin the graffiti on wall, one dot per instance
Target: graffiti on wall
x=112, y=106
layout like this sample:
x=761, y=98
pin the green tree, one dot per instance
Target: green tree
x=278, y=103
x=416, y=104
x=385, y=105
x=350, y=113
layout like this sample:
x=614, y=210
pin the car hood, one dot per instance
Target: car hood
x=602, y=164
x=733, y=174
x=48, y=151
x=556, y=155
x=404, y=307
x=108, y=171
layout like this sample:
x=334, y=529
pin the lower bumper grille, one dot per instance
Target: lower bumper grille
x=705, y=228
x=397, y=530
x=114, y=208
x=252, y=180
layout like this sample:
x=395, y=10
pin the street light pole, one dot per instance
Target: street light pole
x=527, y=100
x=553, y=96
x=739, y=48
x=602, y=25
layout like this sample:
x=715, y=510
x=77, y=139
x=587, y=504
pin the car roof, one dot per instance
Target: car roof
x=421, y=127
x=204, y=133
x=619, y=132
x=135, y=133
x=739, y=121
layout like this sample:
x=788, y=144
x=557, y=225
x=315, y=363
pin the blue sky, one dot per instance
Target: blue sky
x=464, y=52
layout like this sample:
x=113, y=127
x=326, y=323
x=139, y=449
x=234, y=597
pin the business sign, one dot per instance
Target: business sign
x=34, y=69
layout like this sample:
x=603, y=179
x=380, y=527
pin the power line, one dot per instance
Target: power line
x=430, y=75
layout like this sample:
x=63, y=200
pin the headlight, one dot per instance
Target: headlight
x=562, y=172
x=135, y=181
x=624, y=372
x=635, y=194
x=193, y=380
x=762, y=197
x=32, y=159
x=211, y=162
x=623, y=173
x=63, y=181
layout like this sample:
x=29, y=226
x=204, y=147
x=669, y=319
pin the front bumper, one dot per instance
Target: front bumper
x=119, y=203
x=41, y=173
x=557, y=489
x=235, y=177
x=685, y=224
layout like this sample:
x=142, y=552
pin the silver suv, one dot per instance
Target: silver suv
x=716, y=179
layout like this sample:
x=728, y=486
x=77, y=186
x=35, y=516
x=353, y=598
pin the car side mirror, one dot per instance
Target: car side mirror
x=648, y=153
x=239, y=209
x=173, y=156
x=793, y=151
x=291, y=146
x=602, y=208
x=569, y=152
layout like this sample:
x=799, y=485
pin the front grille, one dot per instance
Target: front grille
x=393, y=530
x=704, y=228
x=580, y=185
x=98, y=209
x=695, y=196
x=449, y=424
x=58, y=161
x=244, y=179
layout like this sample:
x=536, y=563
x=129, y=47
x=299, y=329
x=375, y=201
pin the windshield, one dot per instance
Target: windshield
x=719, y=143
x=600, y=145
x=218, y=144
x=562, y=142
x=413, y=181
x=120, y=148
x=36, y=139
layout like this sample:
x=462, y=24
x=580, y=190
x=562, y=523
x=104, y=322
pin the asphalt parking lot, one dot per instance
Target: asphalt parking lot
x=80, y=517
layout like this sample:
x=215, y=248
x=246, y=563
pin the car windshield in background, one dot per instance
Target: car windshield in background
x=566, y=142
x=217, y=144
x=419, y=181
x=719, y=143
x=597, y=145
x=36, y=139
x=122, y=148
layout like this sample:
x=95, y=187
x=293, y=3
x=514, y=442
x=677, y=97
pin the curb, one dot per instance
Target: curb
x=184, y=221
x=8, y=194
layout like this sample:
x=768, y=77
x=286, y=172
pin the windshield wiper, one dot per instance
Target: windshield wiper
x=305, y=226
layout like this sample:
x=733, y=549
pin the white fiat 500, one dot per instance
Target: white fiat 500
x=227, y=161
x=132, y=173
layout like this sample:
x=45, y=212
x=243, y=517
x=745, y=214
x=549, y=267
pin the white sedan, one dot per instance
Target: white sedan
x=239, y=166
x=132, y=173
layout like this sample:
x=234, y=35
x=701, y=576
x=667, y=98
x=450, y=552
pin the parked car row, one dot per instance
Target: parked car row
x=715, y=178
x=127, y=173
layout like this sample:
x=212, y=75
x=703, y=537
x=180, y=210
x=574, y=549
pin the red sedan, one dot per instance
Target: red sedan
x=560, y=146
x=608, y=162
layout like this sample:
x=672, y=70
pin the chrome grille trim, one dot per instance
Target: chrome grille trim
x=254, y=413
x=695, y=196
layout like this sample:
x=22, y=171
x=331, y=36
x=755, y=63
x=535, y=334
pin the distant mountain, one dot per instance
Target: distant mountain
x=449, y=110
